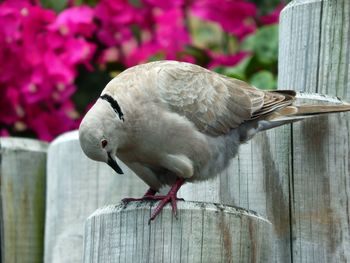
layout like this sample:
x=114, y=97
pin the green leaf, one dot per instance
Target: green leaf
x=266, y=44
x=263, y=80
x=57, y=5
x=86, y=2
x=135, y=3
x=205, y=34
x=157, y=56
x=267, y=6
x=238, y=71
x=248, y=44
x=201, y=55
x=136, y=31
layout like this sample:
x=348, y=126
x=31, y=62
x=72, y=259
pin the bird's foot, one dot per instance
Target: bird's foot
x=149, y=195
x=164, y=199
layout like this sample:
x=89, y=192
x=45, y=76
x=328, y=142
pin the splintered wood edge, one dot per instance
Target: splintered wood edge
x=24, y=144
x=181, y=205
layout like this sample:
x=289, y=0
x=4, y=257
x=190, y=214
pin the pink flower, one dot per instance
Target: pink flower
x=168, y=39
x=9, y=105
x=232, y=15
x=4, y=133
x=142, y=53
x=273, y=17
x=117, y=18
x=171, y=33
x=38, y=63
x=166, y=4
x=10, y=22
x=226, y=60
x=77, y=50
x=75, y=20
x=48, y=124
x=111, y=54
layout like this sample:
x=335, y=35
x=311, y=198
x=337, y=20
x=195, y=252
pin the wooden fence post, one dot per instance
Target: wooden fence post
x=203, y=232
x=76, y=187
x=257, y=179
x=22, y=177
x=314, y=56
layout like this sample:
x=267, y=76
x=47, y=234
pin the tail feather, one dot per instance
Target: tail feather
x=315, y=98
x=305, y=105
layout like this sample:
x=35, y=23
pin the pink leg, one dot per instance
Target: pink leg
x=149, y=195
x=170, y=197
x=164, y=199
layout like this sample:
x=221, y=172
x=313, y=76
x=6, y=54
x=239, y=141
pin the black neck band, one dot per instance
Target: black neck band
x=114, y=105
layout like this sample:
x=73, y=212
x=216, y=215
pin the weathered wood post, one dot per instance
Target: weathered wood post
x=315, y=57
x=203, y=232
x=22, y=188
x=76, y=187
x=256, y=179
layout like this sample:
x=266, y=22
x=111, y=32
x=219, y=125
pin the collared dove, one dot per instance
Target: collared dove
x=174, y=122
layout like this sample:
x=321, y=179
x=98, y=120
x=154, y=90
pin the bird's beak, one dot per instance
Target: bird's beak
x=113, y=163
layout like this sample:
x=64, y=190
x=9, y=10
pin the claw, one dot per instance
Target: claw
x=170, y=197
x=164, y=199
x=149, y=195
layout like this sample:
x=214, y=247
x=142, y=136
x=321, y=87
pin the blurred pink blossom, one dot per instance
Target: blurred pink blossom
x=116, y=19
x=39, y=55
x=4, y=133
x=171, y=33
x=225, y=59
x=142, y=53
x=232, y=15
x=48, y=123
x=166, y=37
x=75, y=20
x=273, y=17
x=157, y=29
x=9, y=105
x=166, y=4
x=110, y=54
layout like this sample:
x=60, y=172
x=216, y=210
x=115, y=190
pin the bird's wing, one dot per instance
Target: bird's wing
x=213, y=102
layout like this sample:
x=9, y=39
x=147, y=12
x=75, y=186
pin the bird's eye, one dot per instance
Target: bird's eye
x=104, y=143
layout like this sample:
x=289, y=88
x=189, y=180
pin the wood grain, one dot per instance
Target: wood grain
x=76, y=187
x=256, y=179
x=202, y=233
x=22, y=177
x=315, y=57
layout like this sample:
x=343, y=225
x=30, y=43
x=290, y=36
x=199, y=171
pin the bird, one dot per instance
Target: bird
x=175, y=122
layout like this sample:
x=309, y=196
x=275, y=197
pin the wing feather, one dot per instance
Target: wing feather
x=214, y=103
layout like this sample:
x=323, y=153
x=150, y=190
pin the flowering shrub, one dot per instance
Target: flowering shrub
x=38, y=58
x=47, y=57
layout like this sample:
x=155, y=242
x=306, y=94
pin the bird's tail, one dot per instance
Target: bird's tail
x=304, y=106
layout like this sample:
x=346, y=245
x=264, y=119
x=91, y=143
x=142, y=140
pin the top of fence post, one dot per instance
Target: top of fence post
x=314, y=56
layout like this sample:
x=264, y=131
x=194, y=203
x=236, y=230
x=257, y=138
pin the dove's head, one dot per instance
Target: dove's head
x=100, y=132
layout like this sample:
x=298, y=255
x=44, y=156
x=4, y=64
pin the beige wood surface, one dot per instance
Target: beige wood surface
x=314, y=56
x=256, y=179
x=202, y=233
x=22, y=188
